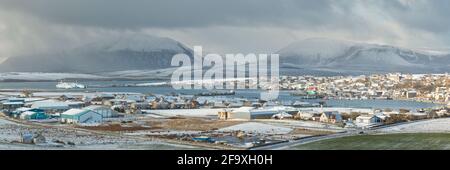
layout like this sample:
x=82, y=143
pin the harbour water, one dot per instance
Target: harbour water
x=128, y=86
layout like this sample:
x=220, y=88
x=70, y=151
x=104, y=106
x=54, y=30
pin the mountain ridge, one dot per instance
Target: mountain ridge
x=113, y=54
x=314, y=55
x=357, y=56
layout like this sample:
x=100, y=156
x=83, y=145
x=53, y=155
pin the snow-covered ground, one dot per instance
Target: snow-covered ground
x=37, y=76
x=6, y=123
x=131, y=74
x=207, y=112
x=427, y=126
x=158, y=133
x=39, y=95
x=148, y=74
x=156, y=145
x=184, y=112
x=153, y=145
x=257, y=128
x=10, y=133
x=339, y=109
x=311, y=125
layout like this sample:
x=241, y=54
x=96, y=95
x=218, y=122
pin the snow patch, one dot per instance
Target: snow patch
x=257, y=128
x=38, y=76
x=427, y=126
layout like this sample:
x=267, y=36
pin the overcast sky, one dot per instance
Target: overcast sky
x=28, y=26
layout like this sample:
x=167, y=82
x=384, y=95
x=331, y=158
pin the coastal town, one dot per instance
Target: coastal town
x=224, y=84
x=418, y=87
x=74, y=117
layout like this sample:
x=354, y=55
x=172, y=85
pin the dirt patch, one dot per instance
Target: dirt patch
x=118, y=127
x=310, y=132
x=195, y=124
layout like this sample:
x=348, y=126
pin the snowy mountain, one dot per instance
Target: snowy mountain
x=347, y=56
x=147, y=56
x=135, y=52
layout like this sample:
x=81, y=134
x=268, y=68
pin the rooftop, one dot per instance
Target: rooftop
x=74, y=112
x=43, y=104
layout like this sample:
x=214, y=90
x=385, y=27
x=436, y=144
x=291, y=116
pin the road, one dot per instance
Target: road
x=292, y=143
x=286, y=145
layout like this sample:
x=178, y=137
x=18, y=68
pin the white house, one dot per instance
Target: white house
x=349, y=124
x=411, y=94
x=442, y=112
x=241, y=113
x=81, y=116
x=366, y=120
x=306, y=115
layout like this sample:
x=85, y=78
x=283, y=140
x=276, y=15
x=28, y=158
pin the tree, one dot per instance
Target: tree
x=352, y=115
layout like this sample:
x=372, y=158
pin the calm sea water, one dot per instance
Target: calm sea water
x=107, y=86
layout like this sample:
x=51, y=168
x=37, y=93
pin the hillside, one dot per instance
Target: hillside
x=337, y=55
x=137, y=52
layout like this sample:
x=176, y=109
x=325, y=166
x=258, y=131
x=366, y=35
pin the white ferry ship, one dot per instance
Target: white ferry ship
x=70, y=85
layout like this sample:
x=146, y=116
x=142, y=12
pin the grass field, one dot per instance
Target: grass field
x=410, y=141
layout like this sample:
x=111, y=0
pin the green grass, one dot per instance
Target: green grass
x=410, y=141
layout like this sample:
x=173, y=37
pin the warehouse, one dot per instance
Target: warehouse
x=106, y=112
x=247, y=113
x=33, y=115
x=12, y=104
x=81, y=116
x=51, y=106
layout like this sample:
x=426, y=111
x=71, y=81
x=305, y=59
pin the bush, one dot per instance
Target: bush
x=352, y=116
x=396, y=118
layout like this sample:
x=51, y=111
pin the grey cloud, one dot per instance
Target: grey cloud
x=175, y=13
x=232, y=25
x=427, y=15
x=301, y=14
